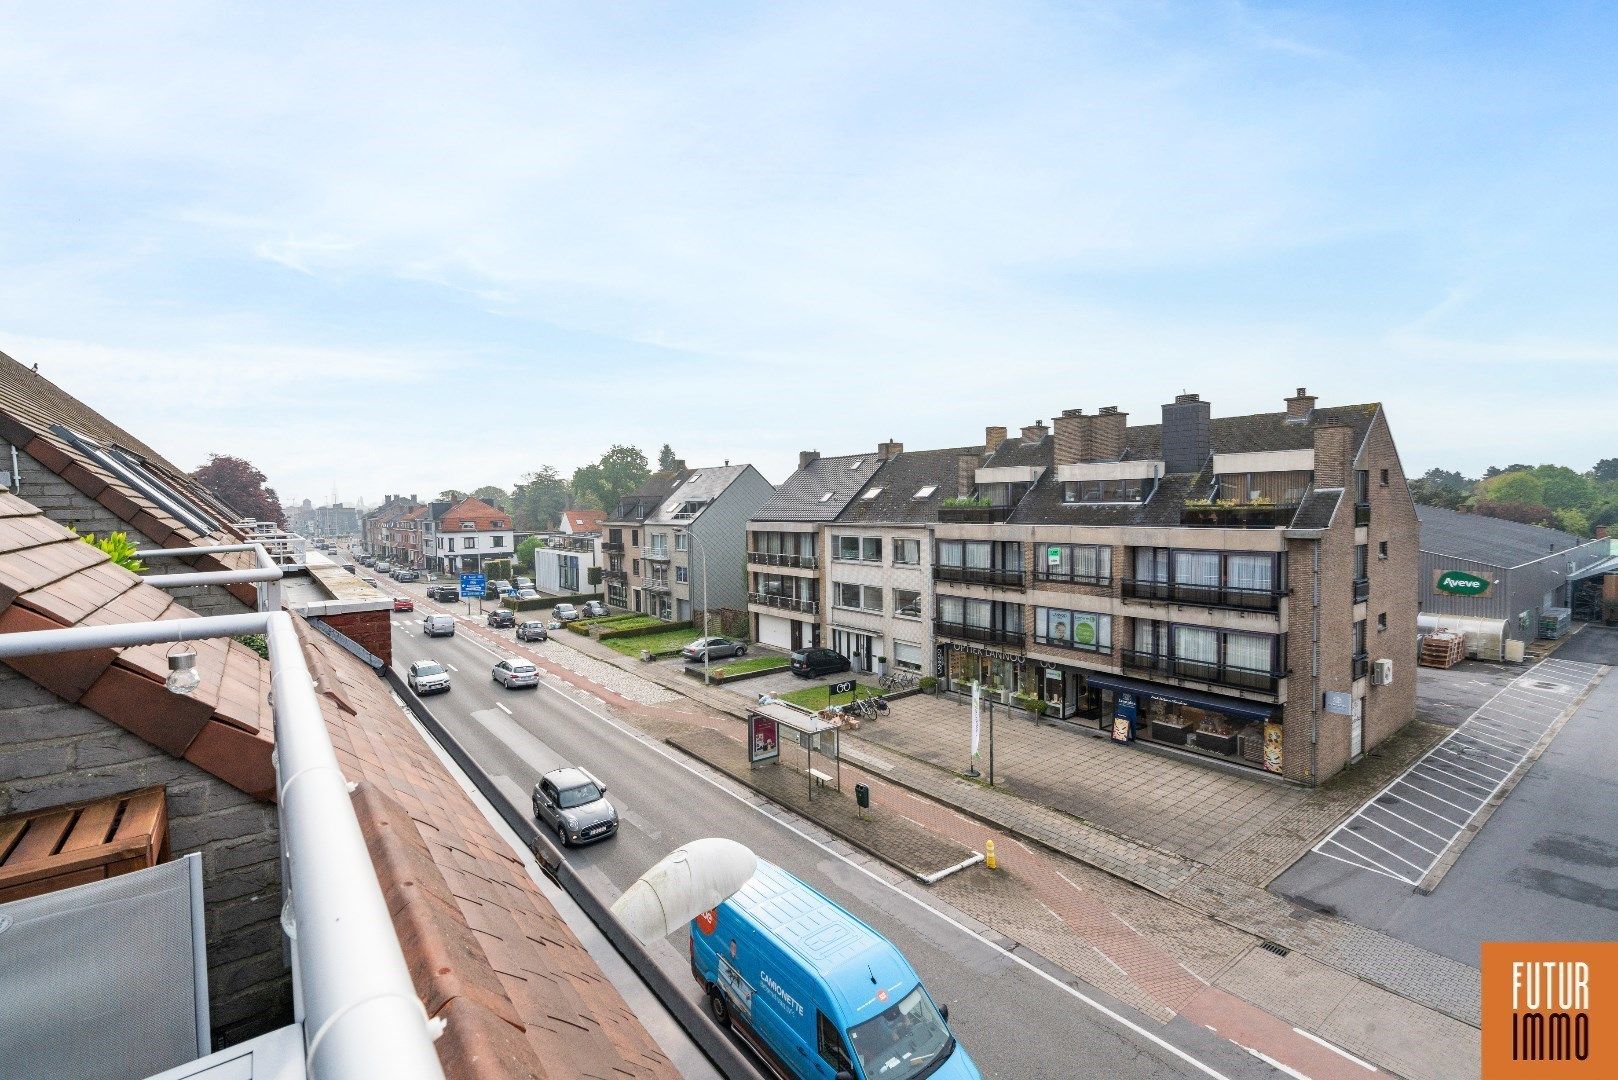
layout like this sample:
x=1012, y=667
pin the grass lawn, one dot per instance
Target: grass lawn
x=749, y=663
x=815, y=698
x=669, y=639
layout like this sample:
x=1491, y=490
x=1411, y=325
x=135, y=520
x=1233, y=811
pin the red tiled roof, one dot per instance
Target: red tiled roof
x=486, y=950
x=585, y=521
x=481, y=514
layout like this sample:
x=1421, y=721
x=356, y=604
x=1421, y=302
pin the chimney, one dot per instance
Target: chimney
x=806, y=458
x=966, y=469
x=679, y=465
x=1601, y=532
x=1300, y=405
x=412, y=498
x=1035, y=431
x=1334, y=455
x=1185, y=434
x=992, y=438
x=889, y=449
x=1107, y=434
x=1072, y=436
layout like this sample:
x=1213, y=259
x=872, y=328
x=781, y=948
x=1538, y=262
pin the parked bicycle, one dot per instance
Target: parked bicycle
x=899, y=680
x=867, y=708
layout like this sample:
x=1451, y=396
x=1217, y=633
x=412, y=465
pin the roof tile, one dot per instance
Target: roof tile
x=240, y=759
x=67, y=675
x=145, y=707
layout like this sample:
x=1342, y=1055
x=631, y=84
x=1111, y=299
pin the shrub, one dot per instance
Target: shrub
x=964, y=501
x=118, y=547
x=643, y=631
x=928, y=684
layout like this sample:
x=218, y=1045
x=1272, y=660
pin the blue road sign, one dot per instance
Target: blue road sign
x=472, y=586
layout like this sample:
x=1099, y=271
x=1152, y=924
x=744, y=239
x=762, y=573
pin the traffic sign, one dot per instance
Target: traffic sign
x=472, y=585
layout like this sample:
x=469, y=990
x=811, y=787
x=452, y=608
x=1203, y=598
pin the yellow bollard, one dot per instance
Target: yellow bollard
x=988, y=855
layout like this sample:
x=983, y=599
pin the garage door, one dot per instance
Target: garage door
x=774, y=630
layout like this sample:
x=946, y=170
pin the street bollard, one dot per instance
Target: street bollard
x=988, y=855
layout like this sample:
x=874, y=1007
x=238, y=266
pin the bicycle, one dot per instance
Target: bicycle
x=899, y=680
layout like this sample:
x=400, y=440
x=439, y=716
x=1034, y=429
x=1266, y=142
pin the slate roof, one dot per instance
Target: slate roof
x=1017, y=451
x=1043, y=505
x=1258, y=432
x=1489, y=540
x=649, y=496
x=487, y=952
x=1317, y=510
x=900, y=478
x=698, y=485
x=799, y=498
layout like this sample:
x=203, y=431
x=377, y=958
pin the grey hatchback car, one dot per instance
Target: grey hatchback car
x=574, y=803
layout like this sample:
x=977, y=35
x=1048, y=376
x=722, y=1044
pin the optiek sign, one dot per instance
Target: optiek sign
x=1461, y=583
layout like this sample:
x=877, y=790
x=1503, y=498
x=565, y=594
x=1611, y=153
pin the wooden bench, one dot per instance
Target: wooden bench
x=823, y=779
x=61, y=846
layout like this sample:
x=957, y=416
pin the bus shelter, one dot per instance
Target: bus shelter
x=772, y=724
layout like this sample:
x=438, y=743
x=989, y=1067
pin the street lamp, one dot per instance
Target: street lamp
x=691, y=538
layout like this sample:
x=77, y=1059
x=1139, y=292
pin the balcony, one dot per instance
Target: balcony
x=973, y=575
x=1362, y=514
x=1362, y=590
x=1362, y=665
x=1244, y=516
x=975, y=515
x=1224, y=596
x=656, y=555
x=658, y=585
x=1058, y=577
x=613, y=547
x=1200, y=671
x=988, y=634
x=776, y=558
x=614, y=575
x=785, y=603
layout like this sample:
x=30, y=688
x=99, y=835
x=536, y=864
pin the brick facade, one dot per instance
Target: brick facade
x=371, y=630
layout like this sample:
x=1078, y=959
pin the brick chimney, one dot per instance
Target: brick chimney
x=1107, y=433
x=1601, y=532
x=679, y=464
x=1072, y=435
x=1334, y=455
x=1186, y=442
x=992, y=438
x=806, y=458
x=966, y=470
x=889, y=449
x=1300, y=405
x=1035, y=431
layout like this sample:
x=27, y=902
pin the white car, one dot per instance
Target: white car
x=428, y=677
x=515, y=671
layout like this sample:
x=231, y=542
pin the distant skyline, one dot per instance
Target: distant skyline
x=403, y=248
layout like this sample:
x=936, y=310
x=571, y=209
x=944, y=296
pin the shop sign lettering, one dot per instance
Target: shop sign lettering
x=1461, y=583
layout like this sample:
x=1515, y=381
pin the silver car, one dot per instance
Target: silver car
x=514, y=671
x=565, y=613
x=713, y=648
x=438, y=626
x=427, y=677
x=574, y=803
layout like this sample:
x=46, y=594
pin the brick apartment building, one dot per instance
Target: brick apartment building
x=623, y=534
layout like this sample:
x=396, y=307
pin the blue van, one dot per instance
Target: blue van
x=817, y=993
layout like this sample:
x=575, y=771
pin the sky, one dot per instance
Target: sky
x=396, y=248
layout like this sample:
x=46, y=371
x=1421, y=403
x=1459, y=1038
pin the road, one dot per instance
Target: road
x=1016, y=1020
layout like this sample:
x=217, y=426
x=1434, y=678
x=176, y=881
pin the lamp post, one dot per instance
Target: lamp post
x=691, y=538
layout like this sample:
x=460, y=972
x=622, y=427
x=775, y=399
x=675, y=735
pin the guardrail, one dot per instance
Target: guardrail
x=1203, y=671
x=776, y=558
x=1174, y=592
x=987, y=634
x=789, y=603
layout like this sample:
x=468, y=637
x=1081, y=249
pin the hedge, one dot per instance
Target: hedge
x=642, y=631
x=546, y=601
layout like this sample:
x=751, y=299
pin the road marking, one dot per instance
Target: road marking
x=452, y=667
x=1274, y=1064
x=1071, y=991
x=1111, y=961
x=1335, y=1049
x=503, y=709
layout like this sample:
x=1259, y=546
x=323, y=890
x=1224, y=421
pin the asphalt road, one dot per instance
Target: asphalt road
x=1015, y=1020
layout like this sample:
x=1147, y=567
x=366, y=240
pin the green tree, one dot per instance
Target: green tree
x=1605, y=471
x=494, y=496
x=666, y=458
x=525, y=552
x=1517, y=486
x=539, y=499
x=1563, y=489
x=1573, y=521
x=1439, y=487
x=620, y=471
x=450, y=495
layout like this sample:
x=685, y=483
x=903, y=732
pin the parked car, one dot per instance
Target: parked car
x=349, y=567
x=502, y=619
x=368, y=579
x=444, y=594
x=533, y=630
x=594, y=609
x=407, y=575
x=403, y=603
x=574, y=803
x=527, y=594
x=524, y=583
x=807, y=663
x=427, y=677
x=515, y=671
x=566, y=613
x=438, y=626
x=384, y=567
x=712, y=648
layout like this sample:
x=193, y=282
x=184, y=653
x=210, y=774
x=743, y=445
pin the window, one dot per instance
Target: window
x=906, y=604
x=1073, y=629
x=1384, y=478
x=1360, y=561
x=1359, y=638
x=567, y=573
x=926, y=491
x=141, y=475
x=452, y=543
x=1381, y=621
x=1362, y=486
x=873, y=493
x=906, y=657
x=497, y=542
x=499, y=524
x=1254, y=572
x=906, y=552
x=871, y=549
x=681, y=575
x=1105, y=491
x=636, y=563
x=465, y=525
x=1382, y=549
x=1088, y=564
x=634, y=537
x=831, y=1044
x=847, y=548
x=469, y=543
x=826, y=497
x=682, y=542
x=856, y=465
x=859, y=597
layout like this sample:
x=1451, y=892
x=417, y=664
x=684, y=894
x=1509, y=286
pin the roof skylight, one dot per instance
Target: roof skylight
x=873, y=493
x=825, y=497
x=926, y=491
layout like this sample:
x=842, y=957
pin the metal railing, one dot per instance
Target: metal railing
x=1069, y=643
x=1004, y=578
x=1362, y=590
x=1174, y=592
x=1361, y=665
x=777, y=558
x=656, y=555
x=788, y=603
x=616, y=547
x=1203, y=671
x=992, y=635
x=1068, y=577
x=656, y=585
x=975, y=515
x=1238, y=517
x=1362, y=514
x=269, y=572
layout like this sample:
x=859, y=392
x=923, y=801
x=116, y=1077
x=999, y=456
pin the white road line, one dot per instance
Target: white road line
x=1440, y=783
x=503, y=709
x=1395, y=854
x=1358, y=862
x=1335, y=1049
x=1407, y=821
x=1437, y=798
x=1113, y=962
x=1457, y=765
x=1274, y=1064
x=1395, y=832
x=1071, y=991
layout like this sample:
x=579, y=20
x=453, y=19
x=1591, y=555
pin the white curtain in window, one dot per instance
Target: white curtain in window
x=1196, y=567
x=977, y=555
x=949, y=553
x=949, y=609
x=1249, y=571
x=1144, y=639
x=977, y=612
x=1250, y=652
x=1148, y=567
x=1196, y=643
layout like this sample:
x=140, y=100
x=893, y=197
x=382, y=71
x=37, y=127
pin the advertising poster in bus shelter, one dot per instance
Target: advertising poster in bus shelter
x=763, y=740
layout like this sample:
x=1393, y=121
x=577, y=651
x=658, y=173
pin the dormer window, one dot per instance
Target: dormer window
x=499, y=524
x=873, y=493
x=466, y=525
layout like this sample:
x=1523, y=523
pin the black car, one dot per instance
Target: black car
x=807, y=663
x=444, y=594
x=502, y=619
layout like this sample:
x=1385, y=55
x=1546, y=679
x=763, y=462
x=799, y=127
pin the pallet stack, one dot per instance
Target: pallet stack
x=1442, y=650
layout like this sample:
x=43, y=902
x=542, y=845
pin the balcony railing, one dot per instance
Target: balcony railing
x=975, y=515
x=786, y=603
x=615, y=575
x=1362, y=514
x=656, y=555
x=1362, y=590
x=615, y=547
x=1238, y=517
x=992, y=635
x=1068, y=577
x=1069, y=643
x=1173, y=592
x=974, y=575
x=776, y=558
x=1362, y=665
x=1202, y=671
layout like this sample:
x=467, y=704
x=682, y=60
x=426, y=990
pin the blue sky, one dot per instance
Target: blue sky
x=402, y=247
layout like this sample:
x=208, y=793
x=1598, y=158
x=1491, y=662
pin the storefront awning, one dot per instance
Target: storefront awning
x=1245, y=710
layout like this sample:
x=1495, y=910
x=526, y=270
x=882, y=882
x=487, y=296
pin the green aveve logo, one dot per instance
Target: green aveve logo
x=1461, y=583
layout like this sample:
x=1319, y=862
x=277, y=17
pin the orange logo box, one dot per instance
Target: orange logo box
x=1550, y=1009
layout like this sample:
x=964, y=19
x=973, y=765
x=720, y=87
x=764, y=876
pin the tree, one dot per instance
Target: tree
x=1516, y=486
x=539, y=499
x=666, y=458
x=525, y=551
x=1605, y=471
x=620, y=471
x=494, y=496
x=450, y=495
x=1526, y=513
x=241, y=487
x=1452, y=481
x=1493, y=471
x=1573, y=521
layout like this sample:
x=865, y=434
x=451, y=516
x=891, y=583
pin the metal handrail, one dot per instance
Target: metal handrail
x=782, y=558
x=1006, y=577
x=268, y=571
x=1202, y=671
x=989, y=634
x=1179, y=592
x=789, y=603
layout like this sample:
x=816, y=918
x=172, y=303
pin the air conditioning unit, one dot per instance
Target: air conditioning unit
x=1382, y=673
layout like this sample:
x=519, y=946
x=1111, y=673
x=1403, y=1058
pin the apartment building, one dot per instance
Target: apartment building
x=695, y=543
x=624, y=574
x=376, y=528
x=467, y=534
x=1239, y=587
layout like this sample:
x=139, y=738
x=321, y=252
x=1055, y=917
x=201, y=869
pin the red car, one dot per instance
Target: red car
x=403, y=603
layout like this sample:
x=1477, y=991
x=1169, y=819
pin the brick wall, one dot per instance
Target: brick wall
x=372, y=630
x=53, y=753
x=1395, y=587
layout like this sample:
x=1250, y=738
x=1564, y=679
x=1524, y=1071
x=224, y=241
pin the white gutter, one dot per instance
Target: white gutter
x=357, y=1006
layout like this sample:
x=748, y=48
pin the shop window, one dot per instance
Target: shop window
x=1073, y=629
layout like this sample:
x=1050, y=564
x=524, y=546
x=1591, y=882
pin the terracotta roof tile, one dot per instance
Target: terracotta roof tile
x=67, y=675
x=144, y=707
x=239, y=758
